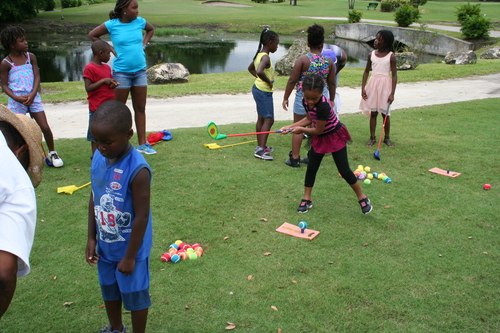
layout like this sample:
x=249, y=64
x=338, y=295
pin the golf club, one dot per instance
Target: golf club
x=213, y=132
x=47, y=160
x=216, y=146
x=376, y=154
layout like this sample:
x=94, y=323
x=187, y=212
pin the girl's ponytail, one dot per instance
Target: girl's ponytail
x=118, y=11
x=266, y=36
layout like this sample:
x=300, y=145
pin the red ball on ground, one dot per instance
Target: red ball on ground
x=487, y=186
x=165, y=257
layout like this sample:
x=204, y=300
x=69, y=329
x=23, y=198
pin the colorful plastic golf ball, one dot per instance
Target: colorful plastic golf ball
x=174, y=246
x=367, y=181
x=175, y=258
x=165, y=257
x=302, y=225
x=375, y=175
x=487, y=186
x=388, y=180
x=369, y=176
x=360, y=167
x=368, y=169
x=362, y=176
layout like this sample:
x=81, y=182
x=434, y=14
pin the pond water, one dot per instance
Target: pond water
x=63, y=58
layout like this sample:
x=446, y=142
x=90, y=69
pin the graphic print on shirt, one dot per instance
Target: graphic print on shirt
x=111, y=222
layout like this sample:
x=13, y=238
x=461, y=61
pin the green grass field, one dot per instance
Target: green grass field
x=425, y=259
x=285, y=19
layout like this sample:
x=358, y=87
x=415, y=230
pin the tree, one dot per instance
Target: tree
x=351, y=4
x=16, y=11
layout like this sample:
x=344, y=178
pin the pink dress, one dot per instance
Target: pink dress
x=379, y=85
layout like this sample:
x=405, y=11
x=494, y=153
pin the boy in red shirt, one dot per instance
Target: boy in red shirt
x=99, y=82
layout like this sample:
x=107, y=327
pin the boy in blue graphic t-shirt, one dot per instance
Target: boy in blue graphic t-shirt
x=120, y=219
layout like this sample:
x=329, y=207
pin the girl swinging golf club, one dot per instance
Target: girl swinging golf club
x=329, y=135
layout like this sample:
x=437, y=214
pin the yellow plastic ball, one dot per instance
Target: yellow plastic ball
x=369, y=176
x=380, y=176
x=368, y=169
x=360, y=167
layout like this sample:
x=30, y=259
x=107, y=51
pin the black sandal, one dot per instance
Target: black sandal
x=371, y=142
x=388, y=141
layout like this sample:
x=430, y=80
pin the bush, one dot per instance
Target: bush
x=406, y=15
x=71, y=3
x=386, y=6
x=476, y=27
x=465, y=11
x=50, y=5
x=354, y=16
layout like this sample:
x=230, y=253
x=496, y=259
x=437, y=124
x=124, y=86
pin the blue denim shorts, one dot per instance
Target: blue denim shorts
x=264, y=101
x=90, y=137
x=132, y=79
x=132, y=290
x=298, y=107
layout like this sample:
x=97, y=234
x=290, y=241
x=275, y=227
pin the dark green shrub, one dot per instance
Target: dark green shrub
x=476, y=27
x=354, y=16
x=467, y=10
x=386, y=6
x=49, y=5
x=406, y=15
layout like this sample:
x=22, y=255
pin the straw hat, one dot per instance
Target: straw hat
x=32, y=134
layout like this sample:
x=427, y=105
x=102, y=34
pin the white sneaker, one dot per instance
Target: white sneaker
x=55, y=159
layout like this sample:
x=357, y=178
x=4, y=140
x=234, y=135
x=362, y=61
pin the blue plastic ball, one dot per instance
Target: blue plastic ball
x=175, y=258
x=303, y=225
x=375, y=174
x=388, y=180
x=174, y=246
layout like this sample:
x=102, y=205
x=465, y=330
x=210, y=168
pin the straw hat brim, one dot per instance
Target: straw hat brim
x=32, y=134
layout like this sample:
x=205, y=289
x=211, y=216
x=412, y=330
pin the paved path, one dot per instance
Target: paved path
x=69, y=120
x=493, y=33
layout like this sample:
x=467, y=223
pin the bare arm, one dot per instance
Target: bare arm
x=332, y=88
x=343, y=61
x=292, y=80
x=365, y=77
x=91, y=86
x=97, y=32
x=265, y=62
x=150, y=30
x=251, y=69
x=394, y=72
x=141, y=189
x=4, y=77
x=90, y=252
x=36, y=82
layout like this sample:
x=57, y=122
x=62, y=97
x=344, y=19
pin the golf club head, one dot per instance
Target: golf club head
x=48, y=162
x=376, y=154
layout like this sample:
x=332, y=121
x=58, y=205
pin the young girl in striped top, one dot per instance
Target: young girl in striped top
x=329, y=135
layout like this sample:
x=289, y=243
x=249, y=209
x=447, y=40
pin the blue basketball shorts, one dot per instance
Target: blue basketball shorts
x=132, y=290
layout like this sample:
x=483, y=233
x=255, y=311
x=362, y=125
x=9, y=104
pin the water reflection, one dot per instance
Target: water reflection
x=63, y=58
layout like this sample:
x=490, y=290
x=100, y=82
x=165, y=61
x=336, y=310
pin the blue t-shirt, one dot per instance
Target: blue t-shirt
x=113, y=205
x=127, y=41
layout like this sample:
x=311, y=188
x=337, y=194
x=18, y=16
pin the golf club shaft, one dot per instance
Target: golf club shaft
x=256, y=133
x=383, y=126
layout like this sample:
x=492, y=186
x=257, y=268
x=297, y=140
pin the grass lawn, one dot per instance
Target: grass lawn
x=425, y=260
x=285, y=19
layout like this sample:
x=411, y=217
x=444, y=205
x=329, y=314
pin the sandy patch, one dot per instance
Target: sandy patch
x=223, y=4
